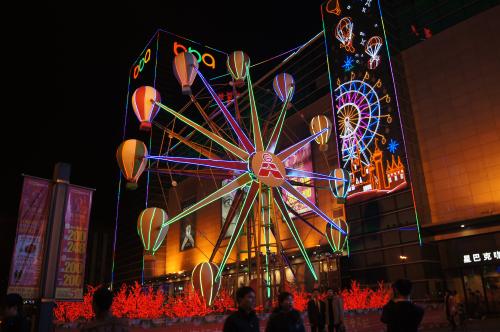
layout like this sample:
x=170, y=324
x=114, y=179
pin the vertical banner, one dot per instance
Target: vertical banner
x=72, y=252
x=366, y=112
x=27, y=258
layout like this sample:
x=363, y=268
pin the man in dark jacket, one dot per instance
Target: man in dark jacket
x=400, y=314
x=245, y=319
x=285, y=318
x=316, y=312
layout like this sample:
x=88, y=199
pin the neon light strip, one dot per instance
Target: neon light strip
x=294, y=192
x=267, y=226
x=291, y=150
x=291, y=226
x=331, y=86
x=221, y=164
x=214, y=137
x=120, y=177
x=400, y=122
x=245, y=210
x=291, y=172
x=273, y=141
x=242, y=138
x=157, y=245
x=257, y=135
x=237, y=183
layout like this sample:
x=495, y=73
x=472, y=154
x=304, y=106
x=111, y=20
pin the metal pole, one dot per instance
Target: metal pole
x=55, y=226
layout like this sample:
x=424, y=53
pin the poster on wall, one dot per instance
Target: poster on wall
x=73, y=249
x=26, y=265
x=227, y=201
x=368, y=128
x=188, y=228
x=302, y=160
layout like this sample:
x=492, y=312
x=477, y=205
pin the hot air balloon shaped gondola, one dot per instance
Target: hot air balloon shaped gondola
x=237, y=64
x=203, y=281
x=144, y=102
x=131, y=158
x=340, y=187
x=185, y=66
x=336, y=239
x=284, y=86
x=318, y=123
x=152, y=229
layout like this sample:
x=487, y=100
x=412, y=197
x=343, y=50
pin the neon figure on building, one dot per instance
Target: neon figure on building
x=375, y=176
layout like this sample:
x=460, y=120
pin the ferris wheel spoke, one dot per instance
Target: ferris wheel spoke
x=278, y=199
x=222, y=164
x=257, y=135
x=237, y=183
x=229, y=219
x=298, y=173
x=242, y=217
x=295, y=193
x=244, y=140
x=291, y=150
x=273, y=141
x=214, y=137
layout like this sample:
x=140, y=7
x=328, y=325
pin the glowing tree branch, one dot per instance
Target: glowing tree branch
x=244, y=140
x=294, y=192
x=237, y=183
x=278, y=199
x=283, y=155
x=222, y=164
x=298, y=173
x=257, y=135
x=273, y=141
x=214, y=137
x=245, y=210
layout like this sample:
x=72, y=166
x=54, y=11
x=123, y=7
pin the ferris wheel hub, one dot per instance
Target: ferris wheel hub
x=267, y=168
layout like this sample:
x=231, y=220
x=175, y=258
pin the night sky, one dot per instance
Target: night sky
x=69, y=79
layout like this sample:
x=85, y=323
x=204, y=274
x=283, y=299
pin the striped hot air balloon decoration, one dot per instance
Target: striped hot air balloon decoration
x=237, y=64
x=282, y=84
x=143, y=103
x=318, y=123
x=336, y=239
x=151, y=229
x=185, y=66
x=131, y=157
x=203, y=281
x=340, y=188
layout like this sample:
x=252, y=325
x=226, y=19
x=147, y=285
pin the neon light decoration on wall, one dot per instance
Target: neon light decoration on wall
x=366, y=111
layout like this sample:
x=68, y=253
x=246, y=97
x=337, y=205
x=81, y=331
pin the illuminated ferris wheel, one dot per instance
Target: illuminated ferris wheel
x=358, y=111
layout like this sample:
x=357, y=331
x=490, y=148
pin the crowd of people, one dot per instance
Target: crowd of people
x=324, y=315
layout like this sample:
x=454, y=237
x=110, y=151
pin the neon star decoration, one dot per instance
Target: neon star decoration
x=393, y=145
x=348, y=63
x=258, y=174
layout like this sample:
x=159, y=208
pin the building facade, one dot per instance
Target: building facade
x=448, y=92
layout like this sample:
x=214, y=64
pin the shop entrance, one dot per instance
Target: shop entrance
x=477, y=287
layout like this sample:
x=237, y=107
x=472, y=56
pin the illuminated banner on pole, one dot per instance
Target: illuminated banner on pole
x=71, y=267
x=27, y=258
x=369, y=133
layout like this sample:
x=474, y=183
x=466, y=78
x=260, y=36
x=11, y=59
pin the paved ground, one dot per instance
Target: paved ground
x=489, y=325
